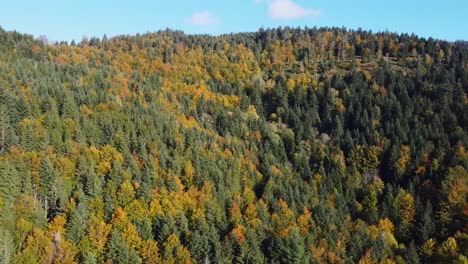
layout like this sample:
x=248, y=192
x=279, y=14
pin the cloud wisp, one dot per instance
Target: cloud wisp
x=288, y=9
x=203, y=19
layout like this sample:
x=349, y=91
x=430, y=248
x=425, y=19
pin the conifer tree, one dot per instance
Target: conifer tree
x=47, y=179
x=10, y=183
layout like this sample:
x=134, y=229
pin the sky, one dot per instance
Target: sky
x=72, y=19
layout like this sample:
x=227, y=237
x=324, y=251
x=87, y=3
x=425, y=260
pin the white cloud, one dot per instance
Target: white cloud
x=204, y=18
x=288, y=9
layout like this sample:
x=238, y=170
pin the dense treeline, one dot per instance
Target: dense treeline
x=280, y=146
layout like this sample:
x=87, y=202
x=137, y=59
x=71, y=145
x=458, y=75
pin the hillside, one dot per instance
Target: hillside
x=279, y=146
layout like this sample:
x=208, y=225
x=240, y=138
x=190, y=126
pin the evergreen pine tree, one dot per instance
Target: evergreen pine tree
x=119, y=252
x=290, y=249
x=426, y=227
x=47, y=177
x=411, y=255
x=10, y=186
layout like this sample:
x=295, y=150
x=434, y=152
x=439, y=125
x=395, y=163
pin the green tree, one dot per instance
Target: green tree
x=7, y=133
x=7, y=246
x=93, y=185
x=290, y=249
x=199, y=244
x=427, y=227
x=77, y=222
x=119, y=252
x=10, y=183
x=411, y=254
x=47, y=177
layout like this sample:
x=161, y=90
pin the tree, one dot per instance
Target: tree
x=7, y=246
x=406, y=212
x=411, y=255
x=7, y=133
x=455, y=190
x=290, y=249
x=76, y=227
x=427, y=227
x=93, y=186
x=9, y=183
x=401, y=163
x=98, y=234
x=47, y=177
x=174, y=252
x=150, y=252
x=119, y=252
x=199, y=244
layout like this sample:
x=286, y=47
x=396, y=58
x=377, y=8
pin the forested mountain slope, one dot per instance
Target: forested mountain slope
x=280, y=146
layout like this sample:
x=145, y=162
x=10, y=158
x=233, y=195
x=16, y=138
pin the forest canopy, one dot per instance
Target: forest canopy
x=286, y=145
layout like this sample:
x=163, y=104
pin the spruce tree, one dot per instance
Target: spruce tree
x=290, y=249
x=119, y=252
x=10, y=183
x=47, y=177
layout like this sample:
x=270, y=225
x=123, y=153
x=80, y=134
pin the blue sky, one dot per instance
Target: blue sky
x=73, y=19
